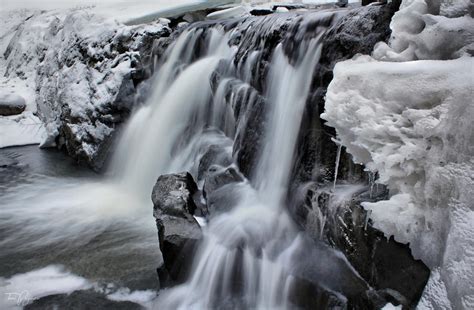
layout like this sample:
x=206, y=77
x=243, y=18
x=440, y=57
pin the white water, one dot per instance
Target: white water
x=178, y=103
x=255, y=242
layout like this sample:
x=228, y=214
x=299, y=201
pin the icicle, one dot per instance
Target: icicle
x=367, y=217
x=372, y=183
x=338, y=158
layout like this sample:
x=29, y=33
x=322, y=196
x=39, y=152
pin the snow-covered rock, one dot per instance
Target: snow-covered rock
x=85, y=69
x=407, y=113
x=11, y=104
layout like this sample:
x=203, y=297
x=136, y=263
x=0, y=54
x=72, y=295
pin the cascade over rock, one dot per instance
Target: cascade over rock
x=244, y=102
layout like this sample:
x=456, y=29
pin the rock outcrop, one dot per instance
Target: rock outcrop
x=178, y=231
x=386, y=265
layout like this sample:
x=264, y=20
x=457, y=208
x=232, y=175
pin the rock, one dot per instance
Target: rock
x=178, y=230
x=11, y=104
x=172, y=194
x=219, y=176
x=80, y=300
x=386, y=265
x=356, y=32
x=220, y=199
x=261, y=12
x=215, y=155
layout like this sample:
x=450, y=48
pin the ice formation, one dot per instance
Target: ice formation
x=406, y=113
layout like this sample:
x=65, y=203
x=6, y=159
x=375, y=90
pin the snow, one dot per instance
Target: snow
x=36, y=44
x=406, y=113
x=22, y=289
x=122, y=11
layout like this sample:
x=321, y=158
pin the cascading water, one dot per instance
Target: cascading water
x=245, y=254
x=178, y=103
x=236, y=104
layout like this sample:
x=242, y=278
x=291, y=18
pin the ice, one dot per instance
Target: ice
x=406, y=113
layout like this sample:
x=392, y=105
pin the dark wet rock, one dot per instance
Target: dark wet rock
x=11, y=104
x=356, y=32
x=178, y=230
x=80, y=300
x=172, y=194
x=261, y=12
x=386, y=265
x=223, y=199
x=219, y=176
x=215, y=155
x=219, y=189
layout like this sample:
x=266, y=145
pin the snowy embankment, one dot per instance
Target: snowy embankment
x=406, y=113
x=76, y=66
x=26, y=128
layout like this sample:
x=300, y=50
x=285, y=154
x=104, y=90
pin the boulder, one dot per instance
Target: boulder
x=219, y=176
x=220, y=194
x=172, y=194
x=386, y=265
x=178, y=230
x=11, y=104
x=215, y=155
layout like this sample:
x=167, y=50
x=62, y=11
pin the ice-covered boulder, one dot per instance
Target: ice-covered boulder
x=11, y=104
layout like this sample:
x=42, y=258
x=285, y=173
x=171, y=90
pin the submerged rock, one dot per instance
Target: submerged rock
x=11, y=104
x=178, y=230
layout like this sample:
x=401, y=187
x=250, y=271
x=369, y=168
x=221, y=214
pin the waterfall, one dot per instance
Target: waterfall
x=247, y=254
x=177, y=108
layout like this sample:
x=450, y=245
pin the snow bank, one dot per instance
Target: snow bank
x=22, y=289
x=406, y=113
